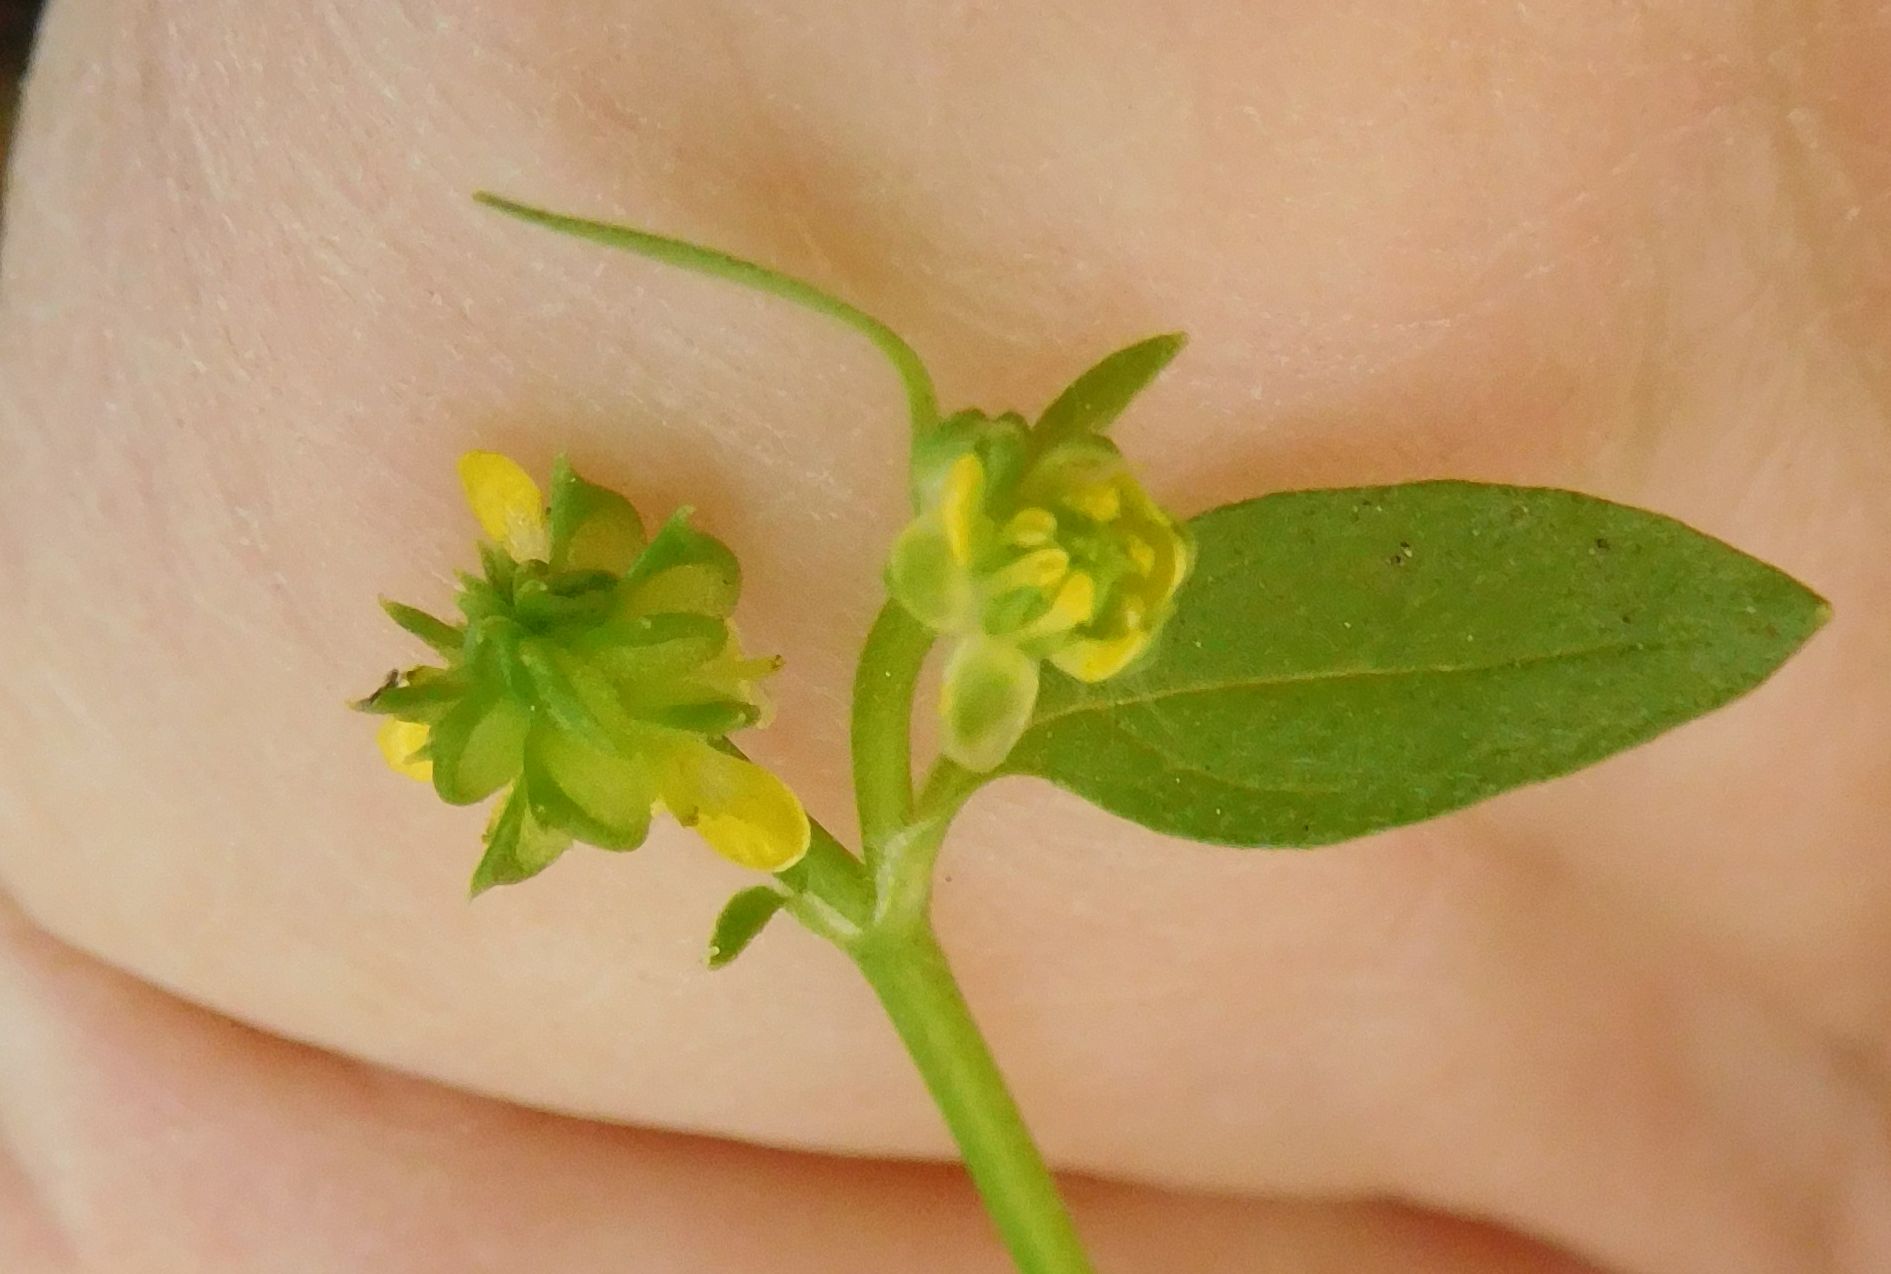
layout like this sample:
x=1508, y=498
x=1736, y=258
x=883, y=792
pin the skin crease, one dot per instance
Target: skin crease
x=248, y=318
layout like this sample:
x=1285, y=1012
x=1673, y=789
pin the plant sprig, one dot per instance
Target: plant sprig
x=1292, y=670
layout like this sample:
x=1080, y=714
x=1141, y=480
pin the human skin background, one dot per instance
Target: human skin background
x=248, y=317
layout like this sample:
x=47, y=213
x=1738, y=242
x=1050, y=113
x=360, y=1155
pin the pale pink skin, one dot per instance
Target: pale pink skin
x=249, y=317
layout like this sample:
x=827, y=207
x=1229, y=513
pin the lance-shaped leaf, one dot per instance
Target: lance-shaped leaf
x=1095, y=399
x=1351, y=660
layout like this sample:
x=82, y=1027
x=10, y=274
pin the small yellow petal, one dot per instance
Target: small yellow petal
x=1181, y=561
x=958, y=505
x=1101, y=502
x=399, y=740
x=746, y=814
x=1075, y=603
x=1097, y=659
x=1142, y=554
x=1031, y=527
x=507, y=503
x=1040, y=568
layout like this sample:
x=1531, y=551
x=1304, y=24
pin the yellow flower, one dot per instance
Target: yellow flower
x=591, y=684
x=1025, y=552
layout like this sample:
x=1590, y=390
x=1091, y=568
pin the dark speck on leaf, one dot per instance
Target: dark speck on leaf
x=1602, y=544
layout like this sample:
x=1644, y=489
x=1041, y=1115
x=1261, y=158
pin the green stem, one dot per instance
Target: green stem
x=908, y=971
x=902, y=960
x=830, y=891
x=902, y=874
x=884, y=681
x=922, y=401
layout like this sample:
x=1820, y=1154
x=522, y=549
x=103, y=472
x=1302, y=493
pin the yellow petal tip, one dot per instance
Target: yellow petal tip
x=743, y=811
x=398, y=741
x=507, y=503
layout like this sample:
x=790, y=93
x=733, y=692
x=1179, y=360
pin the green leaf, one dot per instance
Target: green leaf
x=922, y=402
x=1346, y=661
x=1096, y=398
x=517, y=845
x=593, y=528
x=437, y=633
x=745, y=916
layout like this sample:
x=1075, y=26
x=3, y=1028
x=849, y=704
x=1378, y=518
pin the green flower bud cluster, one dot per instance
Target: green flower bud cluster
x=1029, y=548
x=592, y=679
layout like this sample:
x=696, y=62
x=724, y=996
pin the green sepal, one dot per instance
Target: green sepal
x=745, y=916
x=1095, y=399
x=477, y=600
x=985, y=702
x=704, y=634
x=598, y=795
x=478, y=747
x=709, y=716
x=593, y=528
x=564, y=601
x=501, y=570
x=417, y=694
x=683, y=571
x=518, y=847
x=554, y=691
x=999, y=442
x=643, y=662
x=444, y=637
x=492, y=652
x=922, y=575
x=1079, y=460
x=935, y=451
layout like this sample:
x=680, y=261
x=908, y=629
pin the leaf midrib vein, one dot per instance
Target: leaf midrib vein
x=1349, y=674
x=1172, y=763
